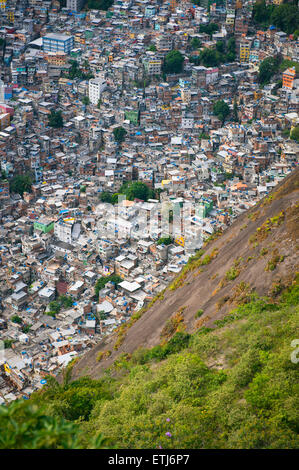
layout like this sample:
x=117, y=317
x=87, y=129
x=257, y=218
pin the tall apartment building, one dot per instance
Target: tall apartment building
x=288, y=78
x=67, y=230
x=244, y=51
x=152, y=65
x=54, y=42
x=2, y=92
x=74, y=5
x=95, y=87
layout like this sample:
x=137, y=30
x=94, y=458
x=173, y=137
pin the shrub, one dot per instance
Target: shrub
x=198, y=313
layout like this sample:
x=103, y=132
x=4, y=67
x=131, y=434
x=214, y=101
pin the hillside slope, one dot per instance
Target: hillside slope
x=258, y=253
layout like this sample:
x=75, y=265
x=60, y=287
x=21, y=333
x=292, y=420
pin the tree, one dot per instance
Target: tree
x=268, y=67
x=137, y=190
x=65, y=301
x=99, y=4
x=295, y=134
x=220, y=46
x=221, y=110
x=231, y=49
x=85, y=100
x=55, y=119
x=105, y=196
x=165, y=241
x=20, y=184
x=152, y=48
x=173, y=62
x=16, y=319
x=235, y=111
x=286, y=17
x=27, y=427
x=209, y=29
x=119, y=134
x=54, y=306
x=195, y=43
x=102, y=281
x=99, y=104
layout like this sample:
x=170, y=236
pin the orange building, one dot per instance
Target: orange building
x=288, y=78
x=173, y=5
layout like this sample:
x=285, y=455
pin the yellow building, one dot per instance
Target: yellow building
x=11, y=16
x=2, y=4
x=244, y=52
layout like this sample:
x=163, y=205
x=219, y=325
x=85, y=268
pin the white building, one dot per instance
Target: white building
x=74, y=5
x=95, y=88
x=66, y=230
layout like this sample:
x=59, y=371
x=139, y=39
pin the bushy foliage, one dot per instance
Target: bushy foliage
x=99, y=4
x=24, y=426
x=119, y=134
x=221, y=110
x=20, y=184
x=268, y=67
x=102, y=281
x=137, y=190
x=55, y=119
x=284, y=16
x=165, y=241
x=173, y=63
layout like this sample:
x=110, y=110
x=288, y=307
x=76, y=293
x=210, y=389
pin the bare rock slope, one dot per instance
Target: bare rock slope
x=257, y=253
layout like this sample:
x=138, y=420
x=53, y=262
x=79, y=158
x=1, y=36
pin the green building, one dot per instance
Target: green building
x=205, y=206
x=44, y=225
x=132, y=115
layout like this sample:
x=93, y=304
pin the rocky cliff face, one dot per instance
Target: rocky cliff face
x=258, y=253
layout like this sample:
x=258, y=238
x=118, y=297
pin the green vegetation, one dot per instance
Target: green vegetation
x=119, y=134
x=233, y=387
x=219, y=55
x=102, y=281
x=55, y=306
x=16, y=319
x=195, y=43
x=20, y=184
x=76, y=72
x=203, y=135
x=85, y=100
x=99, y=4
x=137, y=190
x=8, y=343
x=173, y=63
x=199, y=313
x=209, y=28
x=284, y=16
x=286, y=64
x=152, y=48
x=221, y=110
x=194, y=262
x=268, y=67
x=295, y=134
x=55, y=119
x=165, y=241
x=26, y=328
